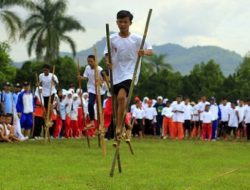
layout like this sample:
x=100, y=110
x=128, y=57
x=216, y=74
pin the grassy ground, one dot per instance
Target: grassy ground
x=156, y=165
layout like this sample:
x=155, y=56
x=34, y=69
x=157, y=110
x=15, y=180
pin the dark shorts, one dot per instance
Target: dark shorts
x=123, y=85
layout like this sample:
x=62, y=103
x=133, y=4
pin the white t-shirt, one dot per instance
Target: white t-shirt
x=233, y=119
x=215, y=111
x=167, y=112
x=187, y=112
x=178, y=116
x=224, y=112
x=124, y=56
x=90, y=74
x=247, y=114
x=206, y=117
x=46, y=84
x=28, y=103
x=195, y=113
x=138, y=113
x=150, y=113
x=241, y=111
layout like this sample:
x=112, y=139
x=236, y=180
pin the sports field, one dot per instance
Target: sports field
x=156, y=165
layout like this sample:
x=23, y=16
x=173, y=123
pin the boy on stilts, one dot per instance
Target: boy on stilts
x=125, y=48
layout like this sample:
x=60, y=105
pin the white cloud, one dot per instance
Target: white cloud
x=186, y=22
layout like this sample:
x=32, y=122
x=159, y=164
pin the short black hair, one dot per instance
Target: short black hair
x=91, y=56
x=123, y=14
x=46, y=66
x=8, y=115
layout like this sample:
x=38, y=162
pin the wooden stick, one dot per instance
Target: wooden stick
x=83, y=113
x=99, y=106
x=112, y=93
x=131, y=90
x=48, y=114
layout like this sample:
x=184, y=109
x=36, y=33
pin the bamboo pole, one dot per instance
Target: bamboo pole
x=80, y=96
x=99, y=105
x=48, y=122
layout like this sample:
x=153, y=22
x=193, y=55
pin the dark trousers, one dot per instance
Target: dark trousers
x=63, y=128
x=222, y=129
x=92, y=100
x=149, y=127
x=248, y=131
x=214, y=128
x=39, y=123
x=46, y=100
x=158, y=125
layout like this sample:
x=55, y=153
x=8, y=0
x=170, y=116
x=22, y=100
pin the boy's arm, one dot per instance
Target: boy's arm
x=145, y=52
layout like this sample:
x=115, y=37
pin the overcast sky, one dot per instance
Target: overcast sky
x=223, y=23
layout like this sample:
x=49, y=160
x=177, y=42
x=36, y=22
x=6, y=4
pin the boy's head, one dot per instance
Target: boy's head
x=233, y=105
x=159, y=99
x=8, y=119
x=91, y=61
x=187, y=100
x=18, y=87
x=179, y=99
x=2, y=118
x=224, y=101
x=124, y=20
x=207, y=107
x=150, y=102
x=46, y=69
x=26, y=86
x=7, y=86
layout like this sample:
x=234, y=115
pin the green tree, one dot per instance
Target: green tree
x=158, y=62
x=9, y=18
x=243, y=78
x=204, y=79
x=46, y=28
x=7, y=71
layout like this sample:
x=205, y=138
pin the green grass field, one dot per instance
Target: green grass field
x=156, y=165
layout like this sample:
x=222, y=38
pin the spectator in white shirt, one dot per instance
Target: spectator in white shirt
x=178, y=118
x=167, y=125
x=233, y=121
x=187, y=117
x=241, y=108
x=150, y=116
x=138, y=116
x=207, y=119
x=214, y=108
x=223, y=125
x=247, y=119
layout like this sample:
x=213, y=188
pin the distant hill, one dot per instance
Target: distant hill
x=182, y=59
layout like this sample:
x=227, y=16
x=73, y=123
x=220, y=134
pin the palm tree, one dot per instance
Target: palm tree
x=158, y=62
x=10, y=19
x=47, y=26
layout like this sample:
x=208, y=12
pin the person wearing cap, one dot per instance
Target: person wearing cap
x=48, y=80
x=159, y=118
x=89, y=75
x=178, y=118
x=25, y=108
x=7, y=99
x=247, y=119
x=150, y=116
x=206, y=118
x=16, y=120
x=214, y=108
